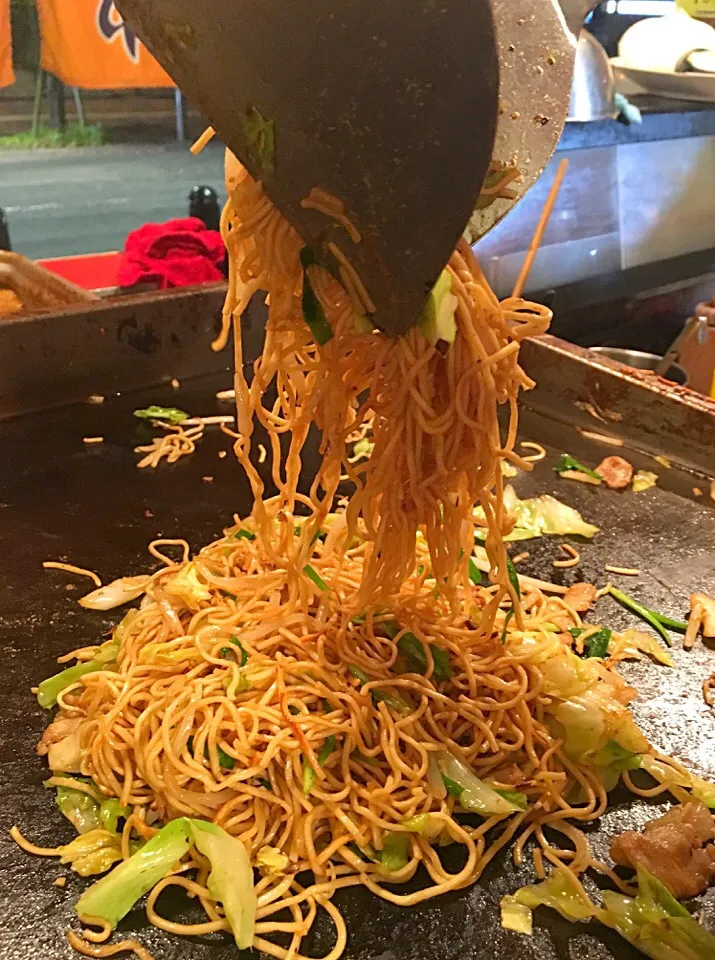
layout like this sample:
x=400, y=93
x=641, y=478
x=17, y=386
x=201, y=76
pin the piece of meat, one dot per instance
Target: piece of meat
x=60, y=728
x=617, y=473
x=675, y=848
x=60, y=743
x=580, y=596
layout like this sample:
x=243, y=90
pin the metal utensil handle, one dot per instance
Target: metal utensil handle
x=576, y=11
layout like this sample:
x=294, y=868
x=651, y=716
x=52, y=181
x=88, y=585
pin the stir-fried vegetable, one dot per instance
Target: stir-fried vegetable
x=413, y=650
x=50, y=689
x=656, y=923
x=513, y=796
x=395, y=852
x=309, y=774
x=379, y=695
x=93, y=852
x=241, y=654
x=681, y=782
x=312, y=311
x=230, y=880
x=426, y=824
x=633, y=642
x=313, y=575
x=115, y=594
x=544, y=515
x=260, y=137
x=475, y=574
x=653, y=921
x=438, y=321
x=516, y=916
x=363, y=447
x=110, y=811
x=231, y=877
x=169, y=414
x=644, y=480
x=616, y=758
x=474, y=794
x=84, y=812
x=112, y=897
x=592, y=720
x=560, y=892
x=658, y=621
x=596, y=644
x=187, y=587
x=567, y=462
x=513, y=577
x=505, y=628
x=81, y=810
x=244, y=534
x=271, y=861
x=589, y=713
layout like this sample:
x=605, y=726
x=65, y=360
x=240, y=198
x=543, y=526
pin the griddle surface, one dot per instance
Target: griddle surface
x=60, y=499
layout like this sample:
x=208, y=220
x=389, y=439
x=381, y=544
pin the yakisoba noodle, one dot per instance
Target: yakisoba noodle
x=156, y=730
x=437, y=440
x=269, y=685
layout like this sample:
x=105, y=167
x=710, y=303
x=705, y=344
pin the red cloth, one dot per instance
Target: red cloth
x=178, y=253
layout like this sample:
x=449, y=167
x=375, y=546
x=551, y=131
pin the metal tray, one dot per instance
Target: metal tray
x=89, y=504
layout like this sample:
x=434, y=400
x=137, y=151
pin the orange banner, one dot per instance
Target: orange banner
x=87, y=44
x=6, y=73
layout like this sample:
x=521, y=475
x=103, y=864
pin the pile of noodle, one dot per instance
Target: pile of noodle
x=241, y=663
x=437, y=440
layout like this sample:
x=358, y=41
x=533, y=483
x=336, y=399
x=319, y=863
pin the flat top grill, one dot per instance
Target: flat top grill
x=60, y=498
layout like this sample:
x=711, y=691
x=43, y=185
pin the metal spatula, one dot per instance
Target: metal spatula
x=390, y=106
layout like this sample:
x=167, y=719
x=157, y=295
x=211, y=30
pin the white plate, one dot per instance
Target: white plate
x=679, y=86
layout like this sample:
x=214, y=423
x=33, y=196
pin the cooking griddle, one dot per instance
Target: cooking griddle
x=61, y=499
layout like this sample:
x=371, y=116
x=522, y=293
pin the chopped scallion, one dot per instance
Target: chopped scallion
x=567, y=462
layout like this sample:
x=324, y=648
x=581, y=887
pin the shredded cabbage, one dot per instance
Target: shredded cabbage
x=656, y=923
x=81, y=810
x=93, y=852
x=474, y=794
x=589, y=713
x=50, y=689
x=516, y=916
x=541, y=515
x=187, y=587
x=112, y=897
x=678, y=781
x=271, y=861
x=109, y=813
x=560, y=892
x=115, y=594
x=231, y=878
x=653, y=922
x=633, y=642
x=363, y=447
x=593, y=719
x=395, y=852
x=427, y=825
x=644, y=480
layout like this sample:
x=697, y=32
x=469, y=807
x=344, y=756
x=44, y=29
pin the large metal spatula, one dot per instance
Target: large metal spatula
x=390, y=106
